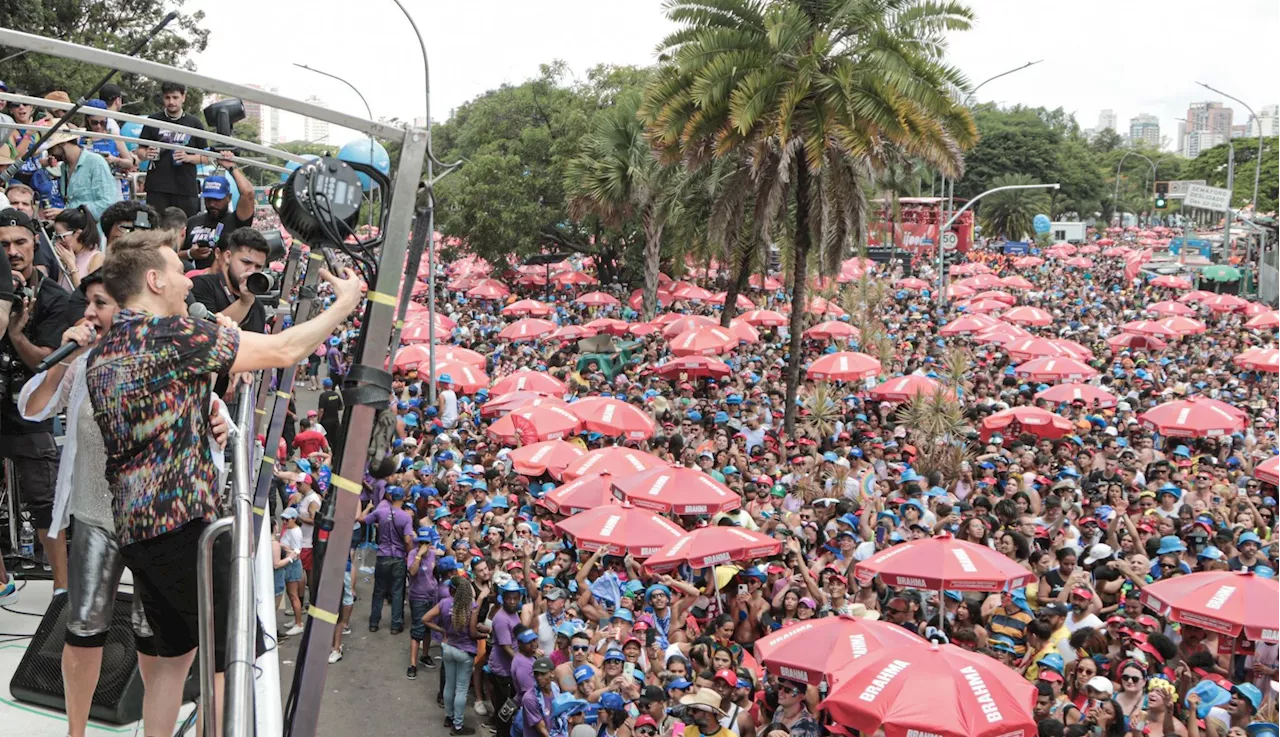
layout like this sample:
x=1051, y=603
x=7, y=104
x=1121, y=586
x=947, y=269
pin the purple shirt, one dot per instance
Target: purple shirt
x=423, y=585
x=393, y=524
x=504, y=626
x=522, y=674
x=461, y=640
x=537, y=708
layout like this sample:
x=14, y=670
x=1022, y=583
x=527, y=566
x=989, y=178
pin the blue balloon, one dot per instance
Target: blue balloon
x=368, y=152
x=1041, y=223
x=293, y=166
x=132, y=130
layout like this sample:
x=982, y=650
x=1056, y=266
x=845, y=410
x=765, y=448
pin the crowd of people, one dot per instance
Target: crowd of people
x=545, y=628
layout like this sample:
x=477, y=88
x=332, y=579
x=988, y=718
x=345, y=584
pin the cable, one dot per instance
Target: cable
x=25, y=614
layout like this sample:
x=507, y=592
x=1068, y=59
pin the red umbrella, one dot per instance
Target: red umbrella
x=744, y=331
x=1136, y=341
x=530, y=328
x=460, y=355
x=903, y=388
x=673, y=327
x=1253, y=308
x=463, y=377
x=1017, y=282
x=528, y=307
x=1091, y=395
x=636, y=300
x=1062, y=249
x=531, y=381
x=1264, y=320
x=678, y=490
x=512, y=401
x=709, y=546
x=408, y=358
x=614, y=460
x=968, y=325
x=832, y=330
x=546, y=421
x=694, y=366
x=939, y=691
x=957, y=291
x=609, y=325
x=489, y=289
x=598, y=299
x=462, y=283
x=742, y=301
x=912, y=283
x=613, y=418
x=943, y=562
x=1039, y=422
x=1028, y=262
x=1197, y=295
x=548, y=456
x=574, y=278
x=1225, y=602
x=1032, y=348
x=573, y=332
x=1259, y=359
x=813, y=650
x=1089, y=249
x=764, y=318
x=981, y=281
x=704, y=341
x=1268, y=471
x=1116, y=252
x=1055, y=369
x=641, y=329
x=1001, y=334
x=844, y=366
x=1194, y=417
x=532, y=280
x=997, y=295
x=691, y=292
x=579, y=495
x=1028, y=316
x=1169, y=307
x=620, y=529
x=1224, y=303
x=1168, y=281
x=420, y=332
x=1184, y=325
x=769, y=283
x=1148, y=327
x=1104, y=241
x=978, y=306
x=1080, y=262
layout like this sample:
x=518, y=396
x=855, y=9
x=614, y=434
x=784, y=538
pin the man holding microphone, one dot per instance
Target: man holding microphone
x=150, y=381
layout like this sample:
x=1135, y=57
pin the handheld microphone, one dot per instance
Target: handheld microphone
x=199, y=312
x=58, y=354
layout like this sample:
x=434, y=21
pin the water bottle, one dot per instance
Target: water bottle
x=27, y=543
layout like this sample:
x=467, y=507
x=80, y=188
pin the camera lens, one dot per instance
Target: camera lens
x=260, y=283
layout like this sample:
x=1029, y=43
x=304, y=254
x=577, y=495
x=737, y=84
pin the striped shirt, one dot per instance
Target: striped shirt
x=1011, y=624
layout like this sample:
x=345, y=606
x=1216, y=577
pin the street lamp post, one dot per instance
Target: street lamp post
x=1257, y=159
x=1115, y=200
x=1231, y=179
x=949, y=184
x=942, y=272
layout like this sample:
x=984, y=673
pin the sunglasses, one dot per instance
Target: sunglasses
x=581, y=648
x=899, y=610
x=1132, y=679
x=646, y=731
x=793, y=690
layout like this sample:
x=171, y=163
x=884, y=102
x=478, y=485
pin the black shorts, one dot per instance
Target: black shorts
x=35, y=463
x=165, y=566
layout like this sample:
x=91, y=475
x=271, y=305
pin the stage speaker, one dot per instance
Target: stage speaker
x=118, y=699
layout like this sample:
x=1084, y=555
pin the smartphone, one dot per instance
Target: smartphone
x=880, y=534
x=742, y=589
x=628, y=670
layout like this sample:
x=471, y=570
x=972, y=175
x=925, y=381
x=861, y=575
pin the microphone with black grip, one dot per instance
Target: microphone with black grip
x=59, y=353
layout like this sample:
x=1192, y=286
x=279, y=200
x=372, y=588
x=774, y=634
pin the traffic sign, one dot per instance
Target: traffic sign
x=1208, y=198
x=950, y=241
x=1178, y=188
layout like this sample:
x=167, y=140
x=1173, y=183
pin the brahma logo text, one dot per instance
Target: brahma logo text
x=979, y=688
x=1220, y=597
x=794, y=674
x=609, y=524
x=882, y=679
x=966, y=564
x=716, y=559
x=695, y=509
x=909, y=581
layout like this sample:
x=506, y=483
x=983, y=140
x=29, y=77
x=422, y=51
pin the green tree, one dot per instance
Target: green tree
x=1106, y=141
x=1211, y=166
x=1009, y=213
x=1017, y=140
x=115, y=25
x=812, y=93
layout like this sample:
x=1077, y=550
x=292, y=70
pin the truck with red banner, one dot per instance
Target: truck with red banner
x=920, y=228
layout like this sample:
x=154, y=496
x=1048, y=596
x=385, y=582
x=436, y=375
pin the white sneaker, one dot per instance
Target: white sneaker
x=482, y=708
x=334, y=656
x=293, y=630
x=288, y=611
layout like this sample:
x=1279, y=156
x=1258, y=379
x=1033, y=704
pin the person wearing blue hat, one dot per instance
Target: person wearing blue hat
x=1247, y=557
x=208, y=230
x=1263, y=729
x=1011, y=618
x=395, y=540
x=422, y=593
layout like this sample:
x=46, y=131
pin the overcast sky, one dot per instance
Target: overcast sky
x=1128, y=56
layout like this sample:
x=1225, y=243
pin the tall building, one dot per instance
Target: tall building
x=315, y=131
x=268, y=117
x=1145, y=128
x=1196, y=141
x=1269, y=118
x=1209, y=116
x=1239, y=131
x=1107, y=119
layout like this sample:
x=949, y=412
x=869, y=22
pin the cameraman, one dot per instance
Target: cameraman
x=222, y=289
x=125, y=217
x=36, y=324
x=207, y=231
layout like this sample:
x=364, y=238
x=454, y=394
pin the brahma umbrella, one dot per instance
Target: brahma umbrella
x=998, y=296
x=813, y=650
x=590, y=491
x=1055, y=369
x=710, y=546
x=957, y=291
x=1033, y=420
x=609, y=325
x=408, y=358
x=548, y=456
x=1035, y=348
x=673, y=324
x=1017, y=282
x=968, y=325
x=1183, y=326
x=980, y=306
x=981, y=281
x=1268, y=471
x=1136, y=342
x=1259, y=359
x=503, y=404
x=490, y=289
x=744, y=331
x=598, y=299
x=531, y=424
x=613, y=418
x=460, y=355
x=620, y=529
x=573, y=332
x=678, y=490
x=691, y=292
x=1226, y=602
x=1028, y=316
x=574, y=278
x=1028, y=262
x=532, y=381
x=743, y=302
x=944, y=562
x=912, y=283
x=903, y=388
x=768, y=283
x=613, y=460
x=1169, y=307
x=530, y=328
x=764, y=318
x=1149, y=327
x=832, y=330
x=1194, y=417
x=694, y=367
x=1224, y=302
x=463, y=377
x=1089, y=394
x=528, y=307
x=936, y=690
x=1264, y=320
x=844, y=366
x=704, y=341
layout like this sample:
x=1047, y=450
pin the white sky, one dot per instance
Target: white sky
x=1128, y=56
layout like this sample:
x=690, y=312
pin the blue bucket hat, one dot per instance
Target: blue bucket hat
x=1171, y=544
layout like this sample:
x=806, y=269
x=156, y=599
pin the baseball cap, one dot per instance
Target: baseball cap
x=728, y=676
x=612, y=701
x=613, y=655
x=290, y=513
x=583, y=673
x=543, y=665
x=215, y=188
x=527, y=636
x=1101, y=684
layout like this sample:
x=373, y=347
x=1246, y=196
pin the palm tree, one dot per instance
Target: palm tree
x=617, y=176
x=1009, y=213
x=813, y=93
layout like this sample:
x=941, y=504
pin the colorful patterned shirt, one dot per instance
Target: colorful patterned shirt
x=150, y=381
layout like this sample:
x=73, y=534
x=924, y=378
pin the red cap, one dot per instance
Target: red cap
x=512, y=565
x=644, y=720
x=1082, y=592
x=728, y=676
x=1048, y=674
